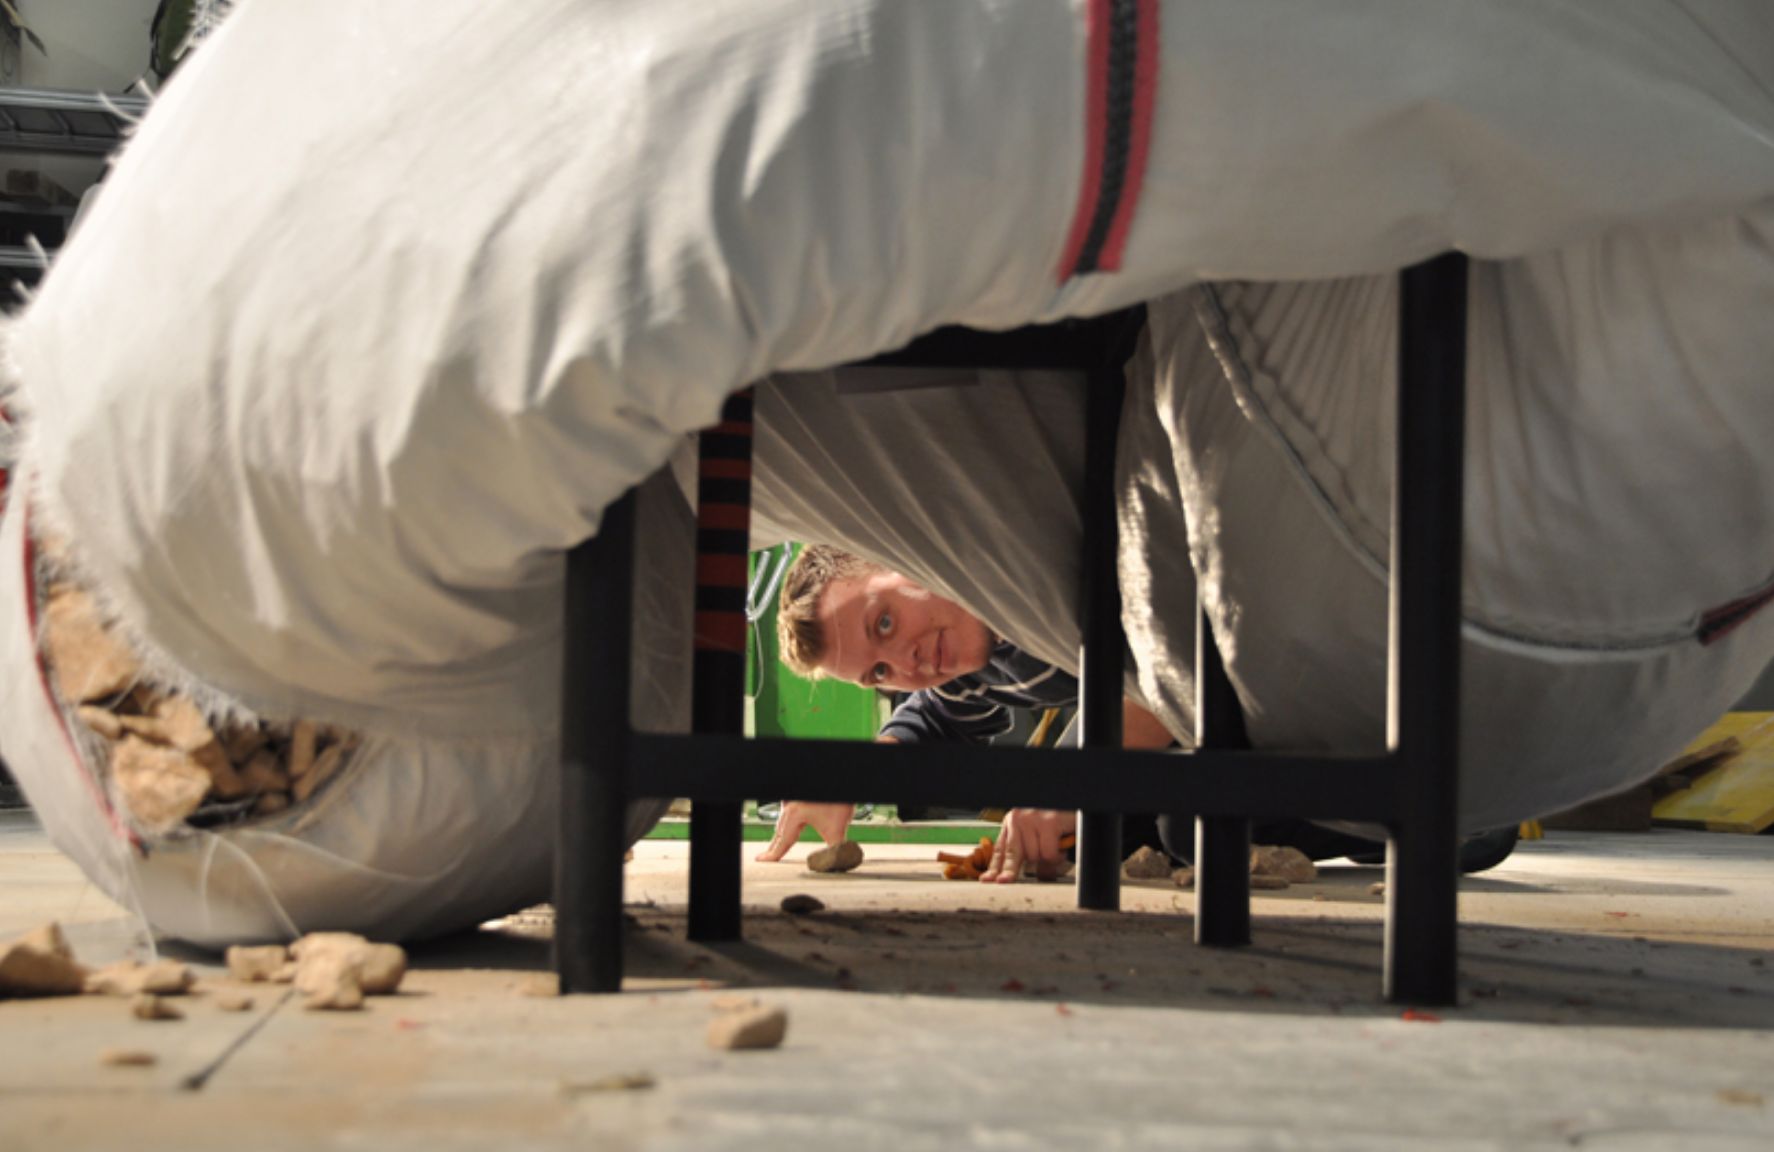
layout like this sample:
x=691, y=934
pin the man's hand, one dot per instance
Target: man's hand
x=831, y=821
x=1030, y=838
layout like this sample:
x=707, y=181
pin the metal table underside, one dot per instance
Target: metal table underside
x=1411, y=789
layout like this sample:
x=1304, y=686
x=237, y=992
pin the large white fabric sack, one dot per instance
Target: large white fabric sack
x=386, y=302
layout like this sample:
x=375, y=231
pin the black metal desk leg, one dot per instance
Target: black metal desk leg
x=1100, y=691
x=1099, y=861
x=1423, y=690
x=1222, y=843
x=594, y=757
x=723, y=540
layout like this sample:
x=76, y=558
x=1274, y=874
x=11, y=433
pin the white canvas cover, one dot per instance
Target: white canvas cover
x=386, y=302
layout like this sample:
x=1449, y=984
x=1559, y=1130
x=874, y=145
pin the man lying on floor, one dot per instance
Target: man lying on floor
x=850, y=619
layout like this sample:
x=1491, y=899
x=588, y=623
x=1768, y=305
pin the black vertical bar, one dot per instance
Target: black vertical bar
x=1423, y=682
x=723, y=517
x=1101, y=663
x=594, y=753
x=1222, y=843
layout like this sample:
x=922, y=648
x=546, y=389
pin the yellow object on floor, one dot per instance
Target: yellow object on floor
x=1735, y=794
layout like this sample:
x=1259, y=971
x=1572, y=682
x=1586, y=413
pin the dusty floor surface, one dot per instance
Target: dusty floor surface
x=1616, y=993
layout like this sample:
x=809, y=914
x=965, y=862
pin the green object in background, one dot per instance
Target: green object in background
x=779, y=703
x=875, y=831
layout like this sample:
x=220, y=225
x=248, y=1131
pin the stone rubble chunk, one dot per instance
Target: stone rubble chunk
x=325, y=765
x=271, y=803
x=1290, y=864
x=801, y=904
x=184, y=724
x=40, y=963
x=1183, y=877
x=1378, y=888
x=262, y=773
x=160, y=786
x=101, y=720
x=285, y=974
x=251, y=963
x=1147, y=864
x=748, y=1028
x=302, y=746
x=245, y=742
x=126, y=1057
x=129, y=977
x=234, y=1002
x=377, y=968
x=841, y=857
x=331, y=983
x=149, y=728
x=168, y=978
x=147, y=1006
x=88, y=662
x=50, y=939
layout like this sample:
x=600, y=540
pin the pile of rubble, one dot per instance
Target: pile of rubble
x=333, y=970
x=167, y=763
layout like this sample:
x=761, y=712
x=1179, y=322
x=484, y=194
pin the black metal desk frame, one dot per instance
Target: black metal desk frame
x=1411, y=788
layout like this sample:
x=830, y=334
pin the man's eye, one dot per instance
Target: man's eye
x=884, y=623
x=878, y=674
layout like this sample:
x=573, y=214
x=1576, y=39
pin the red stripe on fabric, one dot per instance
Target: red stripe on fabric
x=1720, y=622
x=1096, y=100
x=720, y=631
x=118, y=828
x=1145, y=96
x=732, y=517
x=721, y=571
x=726, y=469
x=731, y=428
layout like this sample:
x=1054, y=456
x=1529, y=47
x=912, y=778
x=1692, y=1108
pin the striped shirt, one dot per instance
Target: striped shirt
x=976, y=707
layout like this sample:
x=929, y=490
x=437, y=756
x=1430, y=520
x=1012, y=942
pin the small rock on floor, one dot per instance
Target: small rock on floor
x=1290, y=864
x=1183, y=877
x=1146, y=864
x=750, y=1028
x=800, y=904
x=836, y=857
x=126, y=1058
x=148, y=1006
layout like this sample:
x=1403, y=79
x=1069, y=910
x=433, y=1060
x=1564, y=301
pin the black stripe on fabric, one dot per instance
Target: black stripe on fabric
x=724, y=446
x=720, y=542
x=712, y=598
x=722, y=490
x=1124, y=40
x=738, y=407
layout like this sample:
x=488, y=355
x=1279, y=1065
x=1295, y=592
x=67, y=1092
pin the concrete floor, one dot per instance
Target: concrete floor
x=1616, y=993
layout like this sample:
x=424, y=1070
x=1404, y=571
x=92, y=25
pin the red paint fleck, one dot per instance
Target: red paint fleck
x=1262, y=993
x=1012, y=985
x=1062, y=1009
x=1419, y=1016
x=405, y=1025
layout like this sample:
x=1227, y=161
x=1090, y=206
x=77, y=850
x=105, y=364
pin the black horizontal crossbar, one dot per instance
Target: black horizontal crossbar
x=1261, y=784
x=1069, y=345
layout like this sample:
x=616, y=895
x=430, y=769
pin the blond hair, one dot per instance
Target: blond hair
x=799, y=634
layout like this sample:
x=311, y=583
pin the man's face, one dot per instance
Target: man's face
x=883, y=631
